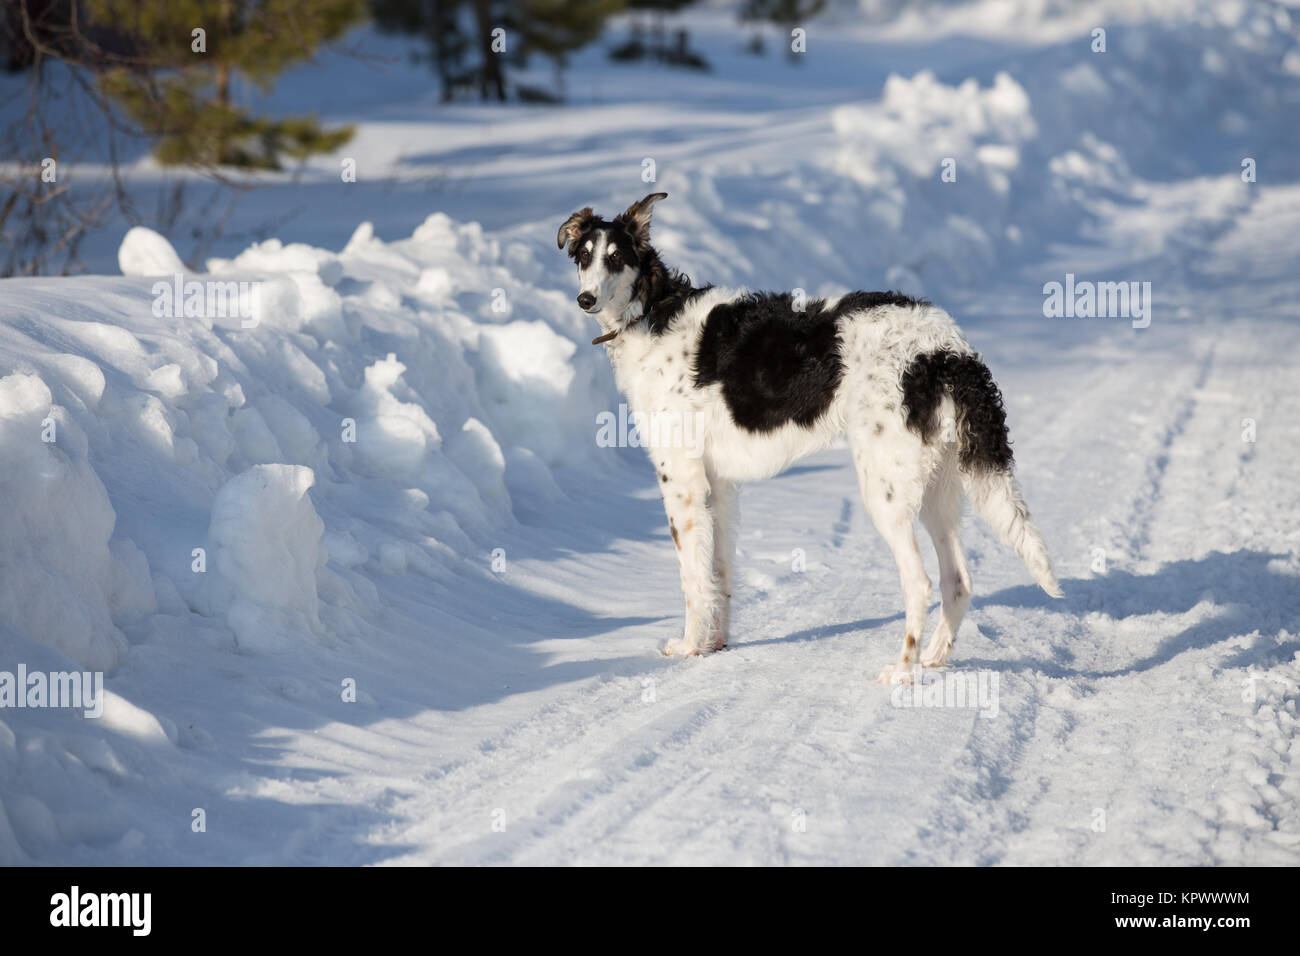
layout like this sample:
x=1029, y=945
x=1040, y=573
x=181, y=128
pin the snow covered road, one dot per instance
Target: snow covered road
x=1148, y=718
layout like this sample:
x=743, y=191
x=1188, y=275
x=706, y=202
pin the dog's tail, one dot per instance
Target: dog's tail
x=979, y=429
x=997, y=499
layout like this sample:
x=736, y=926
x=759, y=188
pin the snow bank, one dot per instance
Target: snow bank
x=147, y=253
x=238, y=460
x=56, y=569
x=266, y=550
x=161, y=436
x=964, y=140
x=936, y=181
x=1070, y=129
x=527, y=367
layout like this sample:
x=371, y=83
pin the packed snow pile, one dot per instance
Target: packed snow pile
x=239, y=454
x=145, y=252
x=267, y=550
x=245, y=444
x=938, y=180
x=59, y=580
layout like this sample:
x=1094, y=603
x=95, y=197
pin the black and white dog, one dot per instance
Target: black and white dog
x=768, y=379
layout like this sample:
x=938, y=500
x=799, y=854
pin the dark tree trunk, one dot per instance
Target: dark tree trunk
x=491, y=76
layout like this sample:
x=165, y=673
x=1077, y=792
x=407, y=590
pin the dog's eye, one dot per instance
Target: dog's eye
x=585, y=258
x=616, y=257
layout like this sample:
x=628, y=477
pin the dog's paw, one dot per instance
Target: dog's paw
x=936, y=654
x=895, y=674
x=680, y=647
x=935, y=657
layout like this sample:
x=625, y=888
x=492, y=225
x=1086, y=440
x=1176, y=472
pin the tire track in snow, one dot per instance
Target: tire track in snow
x=1144, y=504
x=1137, y=732
x=600, y=776
x=973, y=814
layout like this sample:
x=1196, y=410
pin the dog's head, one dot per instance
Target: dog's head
x=609, y=254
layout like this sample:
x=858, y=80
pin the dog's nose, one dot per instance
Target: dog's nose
x=586, y=300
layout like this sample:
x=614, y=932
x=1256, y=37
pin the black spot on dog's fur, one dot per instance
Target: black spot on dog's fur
x=981, y=417
x=776, y=364
x=860, y=301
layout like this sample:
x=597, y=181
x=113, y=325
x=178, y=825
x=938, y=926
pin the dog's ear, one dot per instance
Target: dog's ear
x=574, y=226
x=638, y=214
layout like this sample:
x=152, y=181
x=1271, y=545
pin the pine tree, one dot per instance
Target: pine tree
x=490, y=15
x=676, y=53
x=438, y=21
x=452, y=28
x=659, y=10
x=786, y=14
x=555, y=28
x=30, y=22
x=176, y=81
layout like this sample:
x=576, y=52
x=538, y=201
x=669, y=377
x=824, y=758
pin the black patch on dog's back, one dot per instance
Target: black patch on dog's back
x=858, y=301
x=981, y=417
x=775, y=365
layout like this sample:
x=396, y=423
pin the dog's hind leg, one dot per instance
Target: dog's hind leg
x=723, y=501
x=893, y=468
x=941, y=515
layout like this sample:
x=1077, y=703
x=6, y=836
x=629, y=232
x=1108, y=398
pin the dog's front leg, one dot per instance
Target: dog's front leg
x=684, y=485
